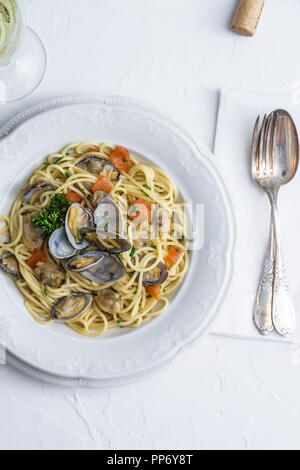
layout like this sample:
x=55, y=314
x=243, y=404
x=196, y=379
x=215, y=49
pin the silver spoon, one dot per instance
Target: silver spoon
x=274, y=164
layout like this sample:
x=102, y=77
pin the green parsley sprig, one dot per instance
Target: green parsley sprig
x=54, y=217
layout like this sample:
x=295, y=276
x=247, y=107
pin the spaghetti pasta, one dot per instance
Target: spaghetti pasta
x=139, y=188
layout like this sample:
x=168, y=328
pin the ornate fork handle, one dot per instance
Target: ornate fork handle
x=283, y=313
x=264, y=297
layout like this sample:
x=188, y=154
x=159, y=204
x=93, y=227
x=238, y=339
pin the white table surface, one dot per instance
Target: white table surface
x=176, y=54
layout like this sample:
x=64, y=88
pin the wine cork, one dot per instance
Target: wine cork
x=247, y=16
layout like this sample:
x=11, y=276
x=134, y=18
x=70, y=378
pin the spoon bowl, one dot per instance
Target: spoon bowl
x=285, y=148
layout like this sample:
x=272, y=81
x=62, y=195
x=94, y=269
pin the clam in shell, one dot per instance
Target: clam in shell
x=70, y=307
x=97, y=165
x=38, y=187
x=108, y=271
x=110, y=242
x=84, y=261
x=9, y=264
x=78, y=218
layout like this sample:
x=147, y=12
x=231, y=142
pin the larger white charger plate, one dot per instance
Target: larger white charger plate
x=55, y=353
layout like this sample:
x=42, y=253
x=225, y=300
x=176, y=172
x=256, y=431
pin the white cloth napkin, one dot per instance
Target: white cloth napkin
x=237, y=115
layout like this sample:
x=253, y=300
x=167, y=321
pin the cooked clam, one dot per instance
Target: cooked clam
x=113, y=242
x=70, y=307
x=156, y=276
x=84, y=261
x=78, y=218
x=110, y=242
x=59, y=245
x=33, y=237
x=109, y=270
x=10, y=265
x=96, y=165
x=50, y=275
x=37, y=187
x=109, y=301
x=108, y=216
x=90, y=236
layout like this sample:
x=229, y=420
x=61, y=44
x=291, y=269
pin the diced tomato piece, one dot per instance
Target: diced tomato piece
x=102, y=184
x=74, y=197
x=121, y=159
x=38, y=256
x=154, y=291
x=140, y=210
x=174, y=255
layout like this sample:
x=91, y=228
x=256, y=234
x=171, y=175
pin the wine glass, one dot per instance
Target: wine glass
x=23, y=59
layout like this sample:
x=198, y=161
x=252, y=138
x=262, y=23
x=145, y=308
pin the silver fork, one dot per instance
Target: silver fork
x=275, y=156
x=263, y=302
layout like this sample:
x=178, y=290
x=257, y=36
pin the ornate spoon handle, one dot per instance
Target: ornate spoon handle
x=263, y=302
x=283, y=313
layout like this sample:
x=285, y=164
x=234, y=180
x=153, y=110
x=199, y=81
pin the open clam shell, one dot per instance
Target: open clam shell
x=108, y=271
x=70, y=307
x=77, y=219
x=83, y=262
x=108, y=216
x=36, y=187
x=117, y=244
x=156, y=276
x=110, y=242
x=59, y=245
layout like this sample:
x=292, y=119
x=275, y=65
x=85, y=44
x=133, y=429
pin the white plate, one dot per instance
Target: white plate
x=131, y=353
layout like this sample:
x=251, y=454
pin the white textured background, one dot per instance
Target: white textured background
x=175, y=54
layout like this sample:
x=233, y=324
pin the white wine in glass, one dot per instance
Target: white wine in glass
x=23, y=60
